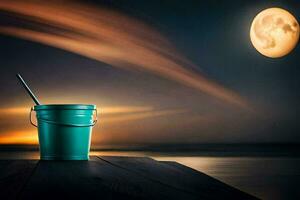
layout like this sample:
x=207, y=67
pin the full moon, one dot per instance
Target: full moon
x=274, y=32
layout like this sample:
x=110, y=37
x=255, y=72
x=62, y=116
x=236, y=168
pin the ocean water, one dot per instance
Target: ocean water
x=274, y=177
x=264, y=177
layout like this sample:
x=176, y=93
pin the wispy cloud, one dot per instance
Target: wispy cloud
x=101, y=110
x=108, y=117
x=19, y=137
x=109, y=37
x=124, y=109
x=14, y=111
x=140, y=115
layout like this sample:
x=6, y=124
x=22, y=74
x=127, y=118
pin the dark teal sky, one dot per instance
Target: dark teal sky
x=212, y=34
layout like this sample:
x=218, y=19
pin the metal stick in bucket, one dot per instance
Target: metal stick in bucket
x=36, y=101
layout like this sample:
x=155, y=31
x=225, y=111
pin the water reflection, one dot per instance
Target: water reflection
x=267, y=178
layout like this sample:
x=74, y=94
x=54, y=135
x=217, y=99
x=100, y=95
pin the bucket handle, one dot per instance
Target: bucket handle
x=57, y=123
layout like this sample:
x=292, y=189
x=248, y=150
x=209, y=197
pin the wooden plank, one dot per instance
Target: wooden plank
x=93, y=179
x=178, y=176
x=13, y=176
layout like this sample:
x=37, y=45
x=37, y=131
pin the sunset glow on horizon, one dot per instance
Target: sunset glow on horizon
x=25, y=137
x=108, y=116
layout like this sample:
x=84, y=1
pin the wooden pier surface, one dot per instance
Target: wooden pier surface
x=105, y=177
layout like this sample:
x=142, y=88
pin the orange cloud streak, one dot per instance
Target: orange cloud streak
x=19, y=137
x=124, y=109
x=14, y=111
x=108, y=116
x=140, y=115
x=102, y=110
x=109, y=37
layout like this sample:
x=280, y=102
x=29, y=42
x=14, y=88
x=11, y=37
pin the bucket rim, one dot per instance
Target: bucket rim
x=65, y=107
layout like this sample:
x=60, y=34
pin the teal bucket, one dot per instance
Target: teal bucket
x=65, y=130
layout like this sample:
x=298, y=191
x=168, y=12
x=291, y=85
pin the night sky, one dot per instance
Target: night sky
x=139, y=106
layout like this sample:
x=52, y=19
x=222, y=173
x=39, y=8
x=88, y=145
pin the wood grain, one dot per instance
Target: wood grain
x=178, y=176
x=14, y=175
x=108, y=177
